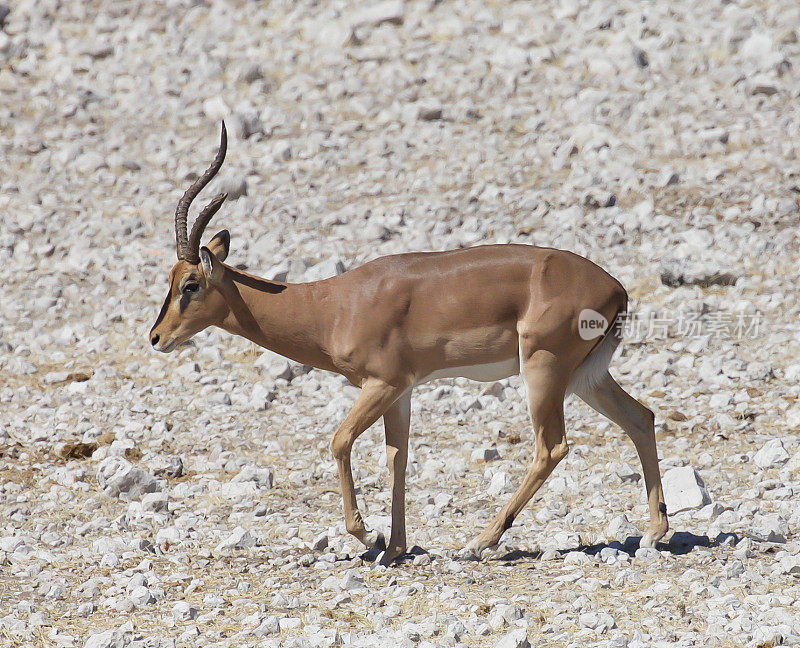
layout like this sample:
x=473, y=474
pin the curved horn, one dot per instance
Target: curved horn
x=182, y=211
x=193, y=249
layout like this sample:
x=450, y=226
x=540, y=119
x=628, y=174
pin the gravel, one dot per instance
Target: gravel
x=191, y=499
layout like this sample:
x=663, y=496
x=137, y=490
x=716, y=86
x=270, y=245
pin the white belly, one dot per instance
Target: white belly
x=483, y=372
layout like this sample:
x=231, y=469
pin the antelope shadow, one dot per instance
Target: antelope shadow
x=681, y=542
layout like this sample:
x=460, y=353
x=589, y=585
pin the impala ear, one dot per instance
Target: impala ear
x=220, y=244
x=212, y=267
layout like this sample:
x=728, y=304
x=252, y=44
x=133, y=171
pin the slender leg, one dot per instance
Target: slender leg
x=373, y=401
x=636, y=420
x=546, y=399
x=396, y=422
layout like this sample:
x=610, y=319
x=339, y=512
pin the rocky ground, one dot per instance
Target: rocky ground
x=191, y=500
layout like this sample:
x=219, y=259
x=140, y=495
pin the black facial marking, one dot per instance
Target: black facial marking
x=185, y=298
x=163, y=310
x=507, y=524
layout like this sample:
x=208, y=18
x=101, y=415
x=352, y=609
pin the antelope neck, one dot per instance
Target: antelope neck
x=282, y=317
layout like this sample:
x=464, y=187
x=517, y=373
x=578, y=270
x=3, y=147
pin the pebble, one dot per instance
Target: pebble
x=647, y=554
x=39, y=619
x=351, y=581
x=109, y=560
x=769, y=528
x=213, y=600
x=620, y=529
x=261, y=476
x=772, y=454
x=182, y=611
x=499, y=484
x=515, y=639
x=117, y=476
x=598, y=621
x=321, y=542
x=684, y=489
x=429, y=111
x=104, y=639
x=483, y=455
x=239, y=538
x=269, y=626
x=141, y=595
x=155, y=502
x=168, y=467
x=289, y=623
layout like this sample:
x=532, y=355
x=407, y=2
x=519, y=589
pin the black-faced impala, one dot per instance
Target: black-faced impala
x=484, y=313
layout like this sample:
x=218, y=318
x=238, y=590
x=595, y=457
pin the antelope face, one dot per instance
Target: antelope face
x=194, y=301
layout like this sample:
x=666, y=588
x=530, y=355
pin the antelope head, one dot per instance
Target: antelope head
x=194, y=300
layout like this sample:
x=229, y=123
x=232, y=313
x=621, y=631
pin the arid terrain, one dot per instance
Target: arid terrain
x=191, y=499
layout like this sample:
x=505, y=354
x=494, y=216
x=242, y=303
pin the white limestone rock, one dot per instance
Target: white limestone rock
x=118, y=477
x=620, y=528
x=263, y=477
x=141, y=596
x=771, y=455
x=239, y=538
x=500, y=483
x=684, y=490
x=182, y=611
x=517, y=638
x=769, y=528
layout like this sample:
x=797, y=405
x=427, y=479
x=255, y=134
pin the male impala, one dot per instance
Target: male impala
x=484, y=313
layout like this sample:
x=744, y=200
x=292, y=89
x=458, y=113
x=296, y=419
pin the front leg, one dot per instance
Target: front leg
x=375, y=398
x=396, y=422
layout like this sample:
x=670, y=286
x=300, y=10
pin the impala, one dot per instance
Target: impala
x=483, y=313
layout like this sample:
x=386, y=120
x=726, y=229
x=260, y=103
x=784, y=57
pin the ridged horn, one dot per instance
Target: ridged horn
x=182, y=212
x=193, y=249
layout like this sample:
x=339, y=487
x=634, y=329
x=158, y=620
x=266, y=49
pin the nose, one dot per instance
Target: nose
x=154, y=338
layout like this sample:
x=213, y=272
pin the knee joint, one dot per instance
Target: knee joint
x=340, y=446
x=559, y=452
x=355, y=526
x=647, y=425
x=549, y=460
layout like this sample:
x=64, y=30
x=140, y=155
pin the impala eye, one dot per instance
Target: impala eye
x=191, y=287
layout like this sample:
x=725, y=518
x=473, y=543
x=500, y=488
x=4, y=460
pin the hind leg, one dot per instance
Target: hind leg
x=546, y=387
x=613, y=402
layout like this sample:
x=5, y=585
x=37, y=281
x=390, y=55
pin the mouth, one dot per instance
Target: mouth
x=169, y=346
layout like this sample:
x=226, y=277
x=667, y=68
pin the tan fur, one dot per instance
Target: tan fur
x=403, y=319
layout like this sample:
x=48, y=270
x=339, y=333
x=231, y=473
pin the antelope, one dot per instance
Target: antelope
x=484, y=313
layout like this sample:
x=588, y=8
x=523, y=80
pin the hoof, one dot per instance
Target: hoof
x=390, y=555
x=651, y=538
x=473, y=551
